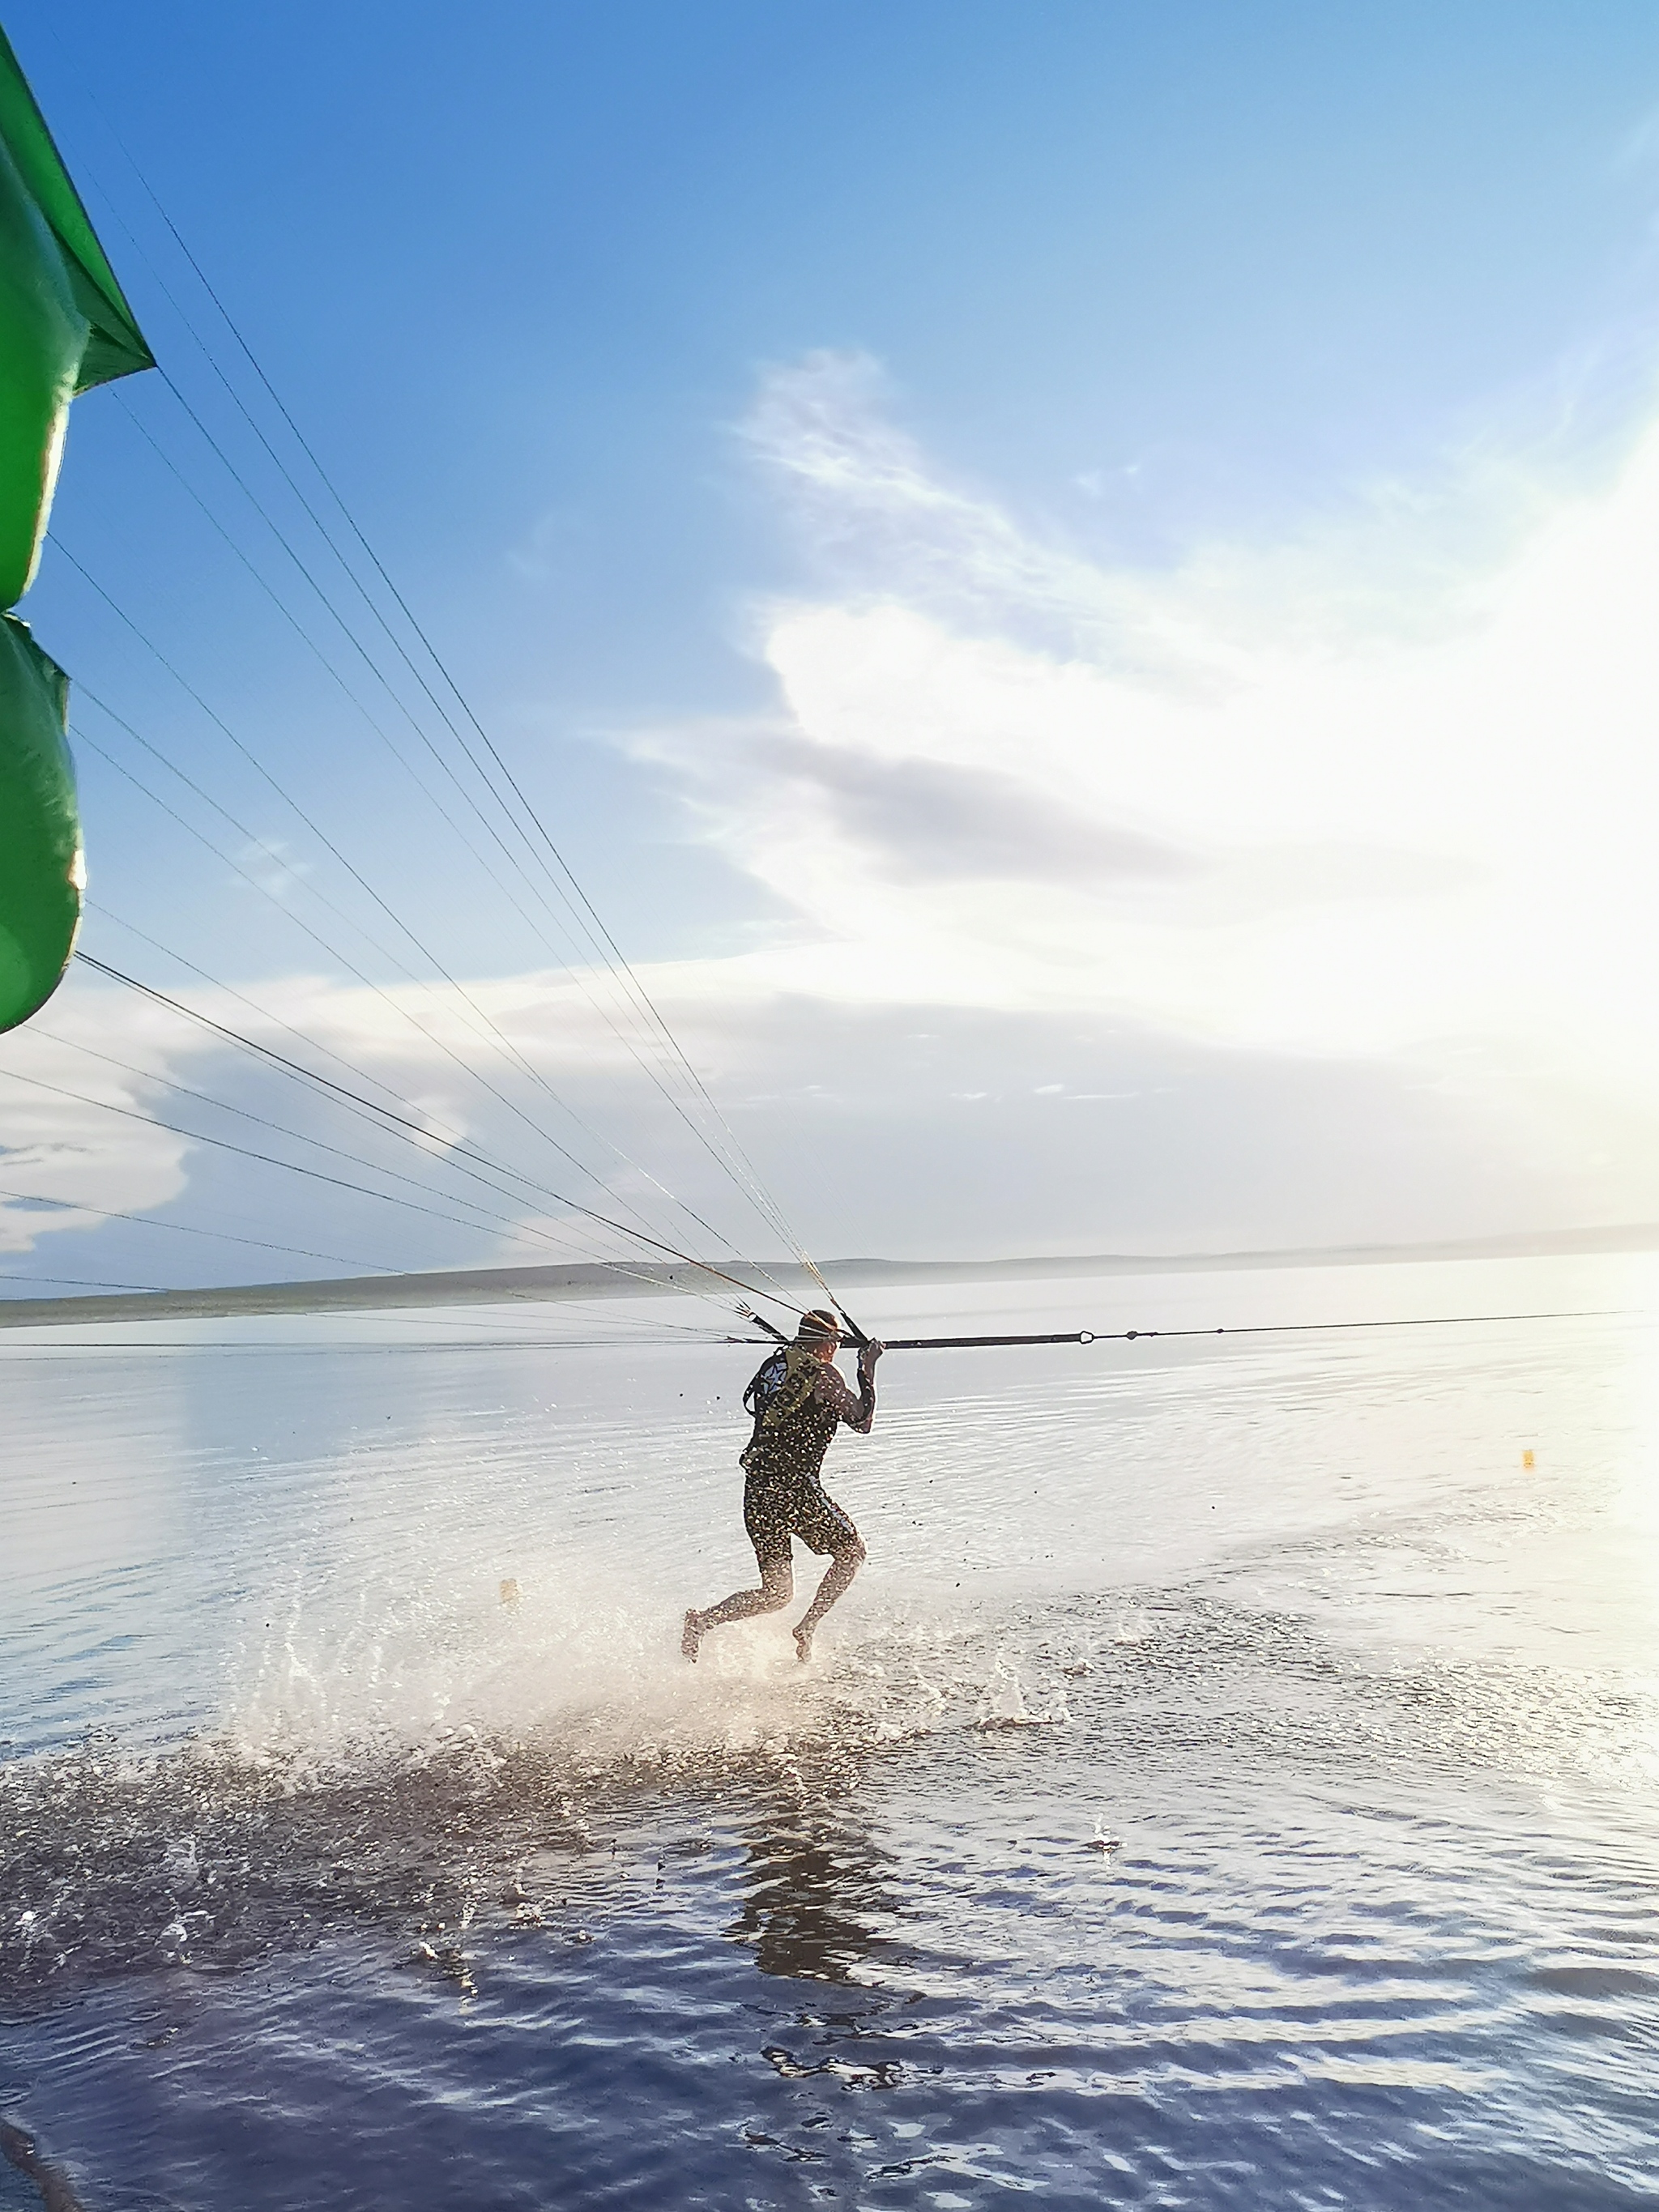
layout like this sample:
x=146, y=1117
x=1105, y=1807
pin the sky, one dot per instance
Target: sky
x=1072, y=583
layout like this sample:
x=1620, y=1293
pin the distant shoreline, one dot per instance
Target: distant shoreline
x=507, y=1285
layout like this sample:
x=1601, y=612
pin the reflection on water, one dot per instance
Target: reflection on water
x=817, y=1893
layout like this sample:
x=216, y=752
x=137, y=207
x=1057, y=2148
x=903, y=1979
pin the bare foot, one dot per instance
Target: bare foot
x=803, y=1645
x=691, y=1634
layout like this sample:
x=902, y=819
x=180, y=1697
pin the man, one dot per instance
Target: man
x=798, y=1402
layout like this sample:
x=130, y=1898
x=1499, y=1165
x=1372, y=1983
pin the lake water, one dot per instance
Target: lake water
x=1233, y=1782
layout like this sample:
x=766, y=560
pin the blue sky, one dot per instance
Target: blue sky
x=1307, y=311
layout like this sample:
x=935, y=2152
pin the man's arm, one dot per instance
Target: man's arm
x=859, y=1413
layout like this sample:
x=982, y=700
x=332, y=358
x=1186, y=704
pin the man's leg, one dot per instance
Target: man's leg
x=776, y=1589
x=844, y=1564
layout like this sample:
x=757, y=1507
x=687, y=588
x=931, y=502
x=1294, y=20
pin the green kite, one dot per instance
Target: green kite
x=64, y=327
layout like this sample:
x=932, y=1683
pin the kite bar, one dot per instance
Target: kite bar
x=965, y=1343
x=1257, y=1328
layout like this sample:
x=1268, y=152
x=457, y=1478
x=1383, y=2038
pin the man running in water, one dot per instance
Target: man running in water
x=782, y=1496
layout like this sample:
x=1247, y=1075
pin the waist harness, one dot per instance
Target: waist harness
x=780, y=1397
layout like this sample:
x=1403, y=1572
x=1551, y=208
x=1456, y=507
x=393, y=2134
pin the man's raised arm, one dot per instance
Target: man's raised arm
x=859, y=1413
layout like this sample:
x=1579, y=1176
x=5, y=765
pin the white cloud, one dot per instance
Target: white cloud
x=270, y=864
x=1385, y=804
x=62, y=1160
x=1311, y=881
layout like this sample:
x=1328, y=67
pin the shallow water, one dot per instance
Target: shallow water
x=1233, y=1781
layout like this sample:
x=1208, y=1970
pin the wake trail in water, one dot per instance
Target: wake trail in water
x=408, y=1779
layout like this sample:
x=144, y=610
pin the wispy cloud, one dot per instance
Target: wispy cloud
x=271, y=866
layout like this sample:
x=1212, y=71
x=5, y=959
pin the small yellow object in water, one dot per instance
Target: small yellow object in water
x=510, y=1588
x=1526, y=1460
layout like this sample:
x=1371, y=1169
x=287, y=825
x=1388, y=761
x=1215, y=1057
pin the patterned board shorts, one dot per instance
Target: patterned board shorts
x=777, y=1507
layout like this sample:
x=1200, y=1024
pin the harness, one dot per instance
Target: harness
x=779, y=1393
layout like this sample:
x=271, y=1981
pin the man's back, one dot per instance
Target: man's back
x=791, y=1439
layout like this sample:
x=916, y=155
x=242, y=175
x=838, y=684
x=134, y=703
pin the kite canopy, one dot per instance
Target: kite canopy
x=41, y=866
x=64, y=322
x=64, y=327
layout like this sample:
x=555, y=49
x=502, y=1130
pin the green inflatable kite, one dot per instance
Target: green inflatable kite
x=64, y=327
